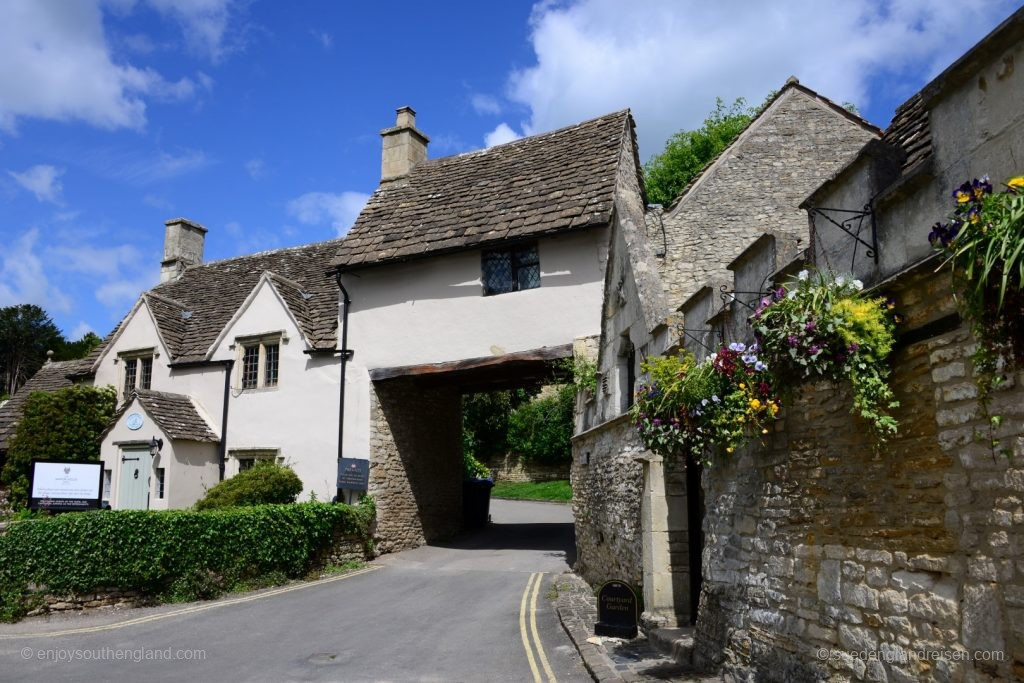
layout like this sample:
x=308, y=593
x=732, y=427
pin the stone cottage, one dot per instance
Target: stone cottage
x=462, y=273
x=822, y=556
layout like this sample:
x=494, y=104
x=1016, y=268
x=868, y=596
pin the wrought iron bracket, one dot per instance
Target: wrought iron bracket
x=852, y=222
x=729, y=295
x=689, y=334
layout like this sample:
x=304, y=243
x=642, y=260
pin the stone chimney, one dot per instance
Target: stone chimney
x=183, y=247
x=404, y=146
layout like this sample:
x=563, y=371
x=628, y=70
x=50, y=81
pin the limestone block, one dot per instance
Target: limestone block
x=829, y=582
x=982, y=621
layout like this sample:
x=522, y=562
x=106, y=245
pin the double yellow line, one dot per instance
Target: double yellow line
x=533, y=585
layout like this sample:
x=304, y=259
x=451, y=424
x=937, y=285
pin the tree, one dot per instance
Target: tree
x=541, y=431
x=687, y=152
x=26, y=334
x=57, y=425
x=73, y=350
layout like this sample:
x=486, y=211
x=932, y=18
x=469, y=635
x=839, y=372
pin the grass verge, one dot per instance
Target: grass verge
x=557, y=491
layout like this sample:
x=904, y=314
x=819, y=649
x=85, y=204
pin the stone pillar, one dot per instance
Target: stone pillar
x=659, y=606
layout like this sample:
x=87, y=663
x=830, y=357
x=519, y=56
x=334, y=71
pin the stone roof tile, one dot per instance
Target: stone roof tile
x=176, y=414
x=539, y=185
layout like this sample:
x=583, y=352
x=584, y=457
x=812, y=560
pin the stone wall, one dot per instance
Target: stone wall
x=606, y=482
x=822, y=542
x=754, y=188
x=415, y=463
x=511, y=467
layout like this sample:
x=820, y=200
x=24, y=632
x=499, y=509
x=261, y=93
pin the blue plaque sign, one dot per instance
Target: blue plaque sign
x=353, y=474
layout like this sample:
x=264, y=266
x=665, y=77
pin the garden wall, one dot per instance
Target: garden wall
x=606, y=484
x=512, y=468
x=827, y=557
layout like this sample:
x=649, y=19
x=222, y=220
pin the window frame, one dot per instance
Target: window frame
x=138, y=364
x=265, y=361
x=252, y=455
x=160, y=474
x=516, y=265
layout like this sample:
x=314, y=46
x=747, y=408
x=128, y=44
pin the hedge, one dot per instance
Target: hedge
x=169, y=555
x=265, y=482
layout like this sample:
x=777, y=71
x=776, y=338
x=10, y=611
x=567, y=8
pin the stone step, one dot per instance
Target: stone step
x=675, y=642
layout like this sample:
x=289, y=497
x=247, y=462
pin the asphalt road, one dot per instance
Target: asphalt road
x=463, y=611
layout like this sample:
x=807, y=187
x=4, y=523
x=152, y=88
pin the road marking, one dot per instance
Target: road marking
x=536, y=635
x=188, y=610
x=523, y=632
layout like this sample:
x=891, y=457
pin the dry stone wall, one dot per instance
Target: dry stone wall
x=606, y=483
x=827, y=557
x=511, y=468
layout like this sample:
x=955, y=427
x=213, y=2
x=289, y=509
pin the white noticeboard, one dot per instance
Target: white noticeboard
x=65, y=485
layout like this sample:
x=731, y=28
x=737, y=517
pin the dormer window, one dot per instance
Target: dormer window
x=137, y=372
x=260, y=362
x=510, y=270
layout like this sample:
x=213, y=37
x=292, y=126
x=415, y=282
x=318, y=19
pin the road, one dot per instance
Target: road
x=462, y=611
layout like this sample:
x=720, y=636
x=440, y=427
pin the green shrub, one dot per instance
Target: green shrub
x=57, y=425
x=169, y=555
x=540, y=431
x=264, y=483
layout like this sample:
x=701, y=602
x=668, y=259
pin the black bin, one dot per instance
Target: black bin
x=476, y=502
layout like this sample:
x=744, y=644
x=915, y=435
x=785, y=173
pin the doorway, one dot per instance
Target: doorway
x=133, y=483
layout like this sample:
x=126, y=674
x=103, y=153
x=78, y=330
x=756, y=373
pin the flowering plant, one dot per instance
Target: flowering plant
x=984, y=242
x=825, y=327
x=689, y=408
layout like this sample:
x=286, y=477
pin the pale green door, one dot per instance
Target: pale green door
x=133, y=493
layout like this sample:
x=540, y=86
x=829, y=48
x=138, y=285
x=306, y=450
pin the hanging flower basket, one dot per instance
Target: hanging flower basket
x=824, y=327
x=702, y=409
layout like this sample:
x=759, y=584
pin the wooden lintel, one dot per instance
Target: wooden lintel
x=460, y=367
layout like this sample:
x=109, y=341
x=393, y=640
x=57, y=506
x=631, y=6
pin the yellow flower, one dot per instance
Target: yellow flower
x=742, y=385
x=1016, y=183
x=963, y=197
x=975, y=218
x=764, y=431
x=730, y=449
x=755, y=404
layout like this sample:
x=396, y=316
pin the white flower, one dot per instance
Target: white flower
x=840, y=280
x=791, y=295
x=802, y=275
x=857, y=284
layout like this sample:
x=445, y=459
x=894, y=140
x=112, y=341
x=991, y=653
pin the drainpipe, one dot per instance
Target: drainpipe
x=346, y=354
x=223, y=451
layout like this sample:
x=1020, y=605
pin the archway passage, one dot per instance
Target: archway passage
x=415, y=439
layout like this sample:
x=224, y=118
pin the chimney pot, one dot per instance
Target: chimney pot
x=184, y=242
x=403, y=147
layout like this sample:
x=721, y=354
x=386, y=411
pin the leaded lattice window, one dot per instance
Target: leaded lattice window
x=270, y=365
x=510, y=270
x=251, y=367
x=130, y=369
x=145, y=373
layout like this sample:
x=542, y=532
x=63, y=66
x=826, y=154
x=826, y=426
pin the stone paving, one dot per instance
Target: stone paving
x=612, y=659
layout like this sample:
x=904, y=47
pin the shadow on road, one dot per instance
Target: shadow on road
x=557, y=537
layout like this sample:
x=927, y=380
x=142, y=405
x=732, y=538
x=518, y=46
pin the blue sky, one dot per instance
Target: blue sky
x=259, y=119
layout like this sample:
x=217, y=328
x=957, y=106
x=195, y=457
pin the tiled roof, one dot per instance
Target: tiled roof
x=176, y=414
x=911, y=132
x=192, y=311
x=50, y=377
x=538, y=185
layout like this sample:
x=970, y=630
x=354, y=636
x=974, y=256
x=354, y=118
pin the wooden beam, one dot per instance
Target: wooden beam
x=476, y=366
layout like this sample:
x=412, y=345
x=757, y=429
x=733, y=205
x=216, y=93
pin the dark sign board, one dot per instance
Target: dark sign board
x=616, y=610
x=65, y=486
x=353, y=474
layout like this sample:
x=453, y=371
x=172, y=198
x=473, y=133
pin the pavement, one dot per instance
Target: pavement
x=476, y=609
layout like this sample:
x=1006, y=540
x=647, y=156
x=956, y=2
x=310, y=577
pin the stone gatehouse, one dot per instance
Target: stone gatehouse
x=898, y=563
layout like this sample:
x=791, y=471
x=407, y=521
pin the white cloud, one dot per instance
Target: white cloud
x=317, y=208
x=144, y=168
x=256, y=168
x=24, y=279
x=204, y=24
x=323, y=37
x=669, y=60
x=99, y=261
x=118, y=294
x=42, y=180
x=250, y=241
x=56, y=62
x=157, y=202
x=500, y=135
x=485, y=104
x=80, y=330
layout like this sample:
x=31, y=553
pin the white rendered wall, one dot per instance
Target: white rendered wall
x=298, y=417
